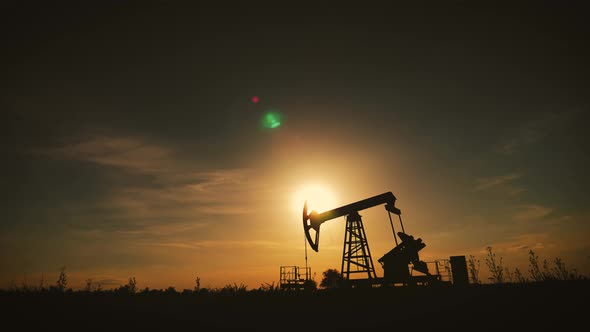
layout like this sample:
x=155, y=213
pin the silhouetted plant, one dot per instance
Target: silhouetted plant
x=534, y=269
x=473, y=267
x=62, y=280
x=495, y=267
x=197, y=284
x=41, y=283
x=331, y=279
x=559, y=271
x=508, y=275
x=269, y=287
x=547, y=273
x=310, y=285
x=574, y=275
x=25, y=287
x=130, y=287
x=13, y=286
x=233, y=289
x=29, y=288
x=518, y=277
x=204, y=291
x=89, y=285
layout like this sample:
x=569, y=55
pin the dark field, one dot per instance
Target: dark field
x=548, y=306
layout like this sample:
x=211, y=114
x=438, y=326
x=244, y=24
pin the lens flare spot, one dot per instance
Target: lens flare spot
x=271, y=120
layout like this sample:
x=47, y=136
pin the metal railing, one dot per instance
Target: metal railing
x=294, y=276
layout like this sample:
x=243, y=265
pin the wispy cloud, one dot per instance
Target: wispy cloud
x=527, y=136
x=495, y=181
x=536, y=129
x=126, y=152
x=143, y=230
x=109, y=282
x=179, y=191
x=521, y=243
x=531, y=212
x=225, y=244
x=512, y=191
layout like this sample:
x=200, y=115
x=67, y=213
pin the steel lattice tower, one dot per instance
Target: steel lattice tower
x=356, y=253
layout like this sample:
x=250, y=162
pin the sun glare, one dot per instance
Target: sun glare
x=318, y=197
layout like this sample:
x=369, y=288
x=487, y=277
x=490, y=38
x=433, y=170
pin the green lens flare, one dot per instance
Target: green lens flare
x=271, y=120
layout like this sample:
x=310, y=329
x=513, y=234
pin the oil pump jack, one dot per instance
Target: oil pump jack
x=398, y=264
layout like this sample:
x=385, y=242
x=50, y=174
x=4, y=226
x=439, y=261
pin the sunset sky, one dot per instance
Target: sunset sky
x=132, y=146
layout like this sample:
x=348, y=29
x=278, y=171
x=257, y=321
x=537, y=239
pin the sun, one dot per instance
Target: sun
x=319, y=198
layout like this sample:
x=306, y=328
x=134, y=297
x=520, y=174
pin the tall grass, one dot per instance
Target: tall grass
x=495, y=266
x=538, y=271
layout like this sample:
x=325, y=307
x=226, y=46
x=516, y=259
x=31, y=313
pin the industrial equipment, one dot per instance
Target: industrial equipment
x=398, y=264
x=294, y=277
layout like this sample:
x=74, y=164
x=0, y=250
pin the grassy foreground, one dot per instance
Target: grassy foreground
x=540, y=306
